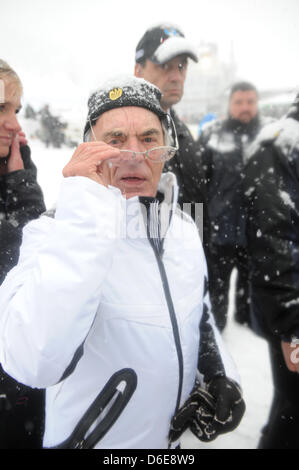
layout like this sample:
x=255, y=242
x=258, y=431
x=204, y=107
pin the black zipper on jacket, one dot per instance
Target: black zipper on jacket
x=174, y=322
x=158, y=251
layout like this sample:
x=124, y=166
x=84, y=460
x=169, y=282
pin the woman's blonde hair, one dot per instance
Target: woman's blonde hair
x=7, y=72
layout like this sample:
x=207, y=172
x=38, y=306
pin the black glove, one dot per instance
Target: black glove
x=211, y=412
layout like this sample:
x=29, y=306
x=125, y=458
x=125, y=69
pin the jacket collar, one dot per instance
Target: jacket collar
x=167, y=192
x=150, y=217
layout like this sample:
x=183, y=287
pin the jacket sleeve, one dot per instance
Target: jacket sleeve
x=185, y=165
x=205, y=166
x=21, y=201
x=271, y=191
x=214, y=357
x=205, y=155
x=49, y=300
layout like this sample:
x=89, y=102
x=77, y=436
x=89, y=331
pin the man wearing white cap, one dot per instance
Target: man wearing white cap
x=162, y=58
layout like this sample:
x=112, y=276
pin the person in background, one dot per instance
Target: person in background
x=161, y=58
x=21, y=200
x=108, y=305
x=222, y=147
x=271, y=194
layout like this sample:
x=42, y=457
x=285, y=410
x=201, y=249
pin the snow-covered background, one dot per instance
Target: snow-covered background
x=64, y=48
x=249, y=352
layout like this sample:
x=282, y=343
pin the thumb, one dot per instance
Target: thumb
x=227, y=395
x=223, y=409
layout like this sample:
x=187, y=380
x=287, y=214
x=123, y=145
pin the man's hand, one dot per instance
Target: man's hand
x=230, y=406
x=291, y=355
x=196, y=414
x=15, y=161
x=211, y=412
x=88, y=160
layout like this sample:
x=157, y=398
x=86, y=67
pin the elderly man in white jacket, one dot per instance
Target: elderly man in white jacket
x=108, y=306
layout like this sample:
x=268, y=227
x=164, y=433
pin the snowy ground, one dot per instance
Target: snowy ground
x=249, y=352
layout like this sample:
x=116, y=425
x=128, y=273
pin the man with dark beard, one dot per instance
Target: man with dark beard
x=222, y=148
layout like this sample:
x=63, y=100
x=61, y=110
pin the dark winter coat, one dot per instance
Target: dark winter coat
x=271, y=194
x=21, y=200
x=222, y=146
x=186, y=167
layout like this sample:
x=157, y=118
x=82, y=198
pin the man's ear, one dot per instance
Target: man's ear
x=138, y=72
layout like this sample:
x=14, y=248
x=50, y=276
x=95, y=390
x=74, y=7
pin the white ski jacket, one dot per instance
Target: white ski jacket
x=98, y=294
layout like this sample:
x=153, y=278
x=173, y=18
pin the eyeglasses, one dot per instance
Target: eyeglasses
x=155, y=155
x=159, y=154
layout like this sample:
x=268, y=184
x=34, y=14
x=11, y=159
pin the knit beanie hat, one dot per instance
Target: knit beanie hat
x=121, y=92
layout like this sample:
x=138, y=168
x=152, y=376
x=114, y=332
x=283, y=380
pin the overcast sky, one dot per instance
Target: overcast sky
x=63, y=48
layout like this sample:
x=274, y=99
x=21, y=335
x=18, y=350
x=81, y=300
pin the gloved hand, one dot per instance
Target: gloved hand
x=211, y=412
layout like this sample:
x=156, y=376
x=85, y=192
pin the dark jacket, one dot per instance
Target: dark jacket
x=222, y=146
x=21, y=200
x=271, y=195
x=186, y=166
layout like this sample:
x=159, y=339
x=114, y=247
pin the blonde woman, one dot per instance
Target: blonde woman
x=21, y=200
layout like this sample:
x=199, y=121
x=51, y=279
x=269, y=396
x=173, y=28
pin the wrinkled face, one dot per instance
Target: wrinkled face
x=10, y=104
x=137, y=129
x=169, y=78
x=243, y=105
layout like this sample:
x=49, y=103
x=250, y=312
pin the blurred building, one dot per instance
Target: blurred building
x=207, y=84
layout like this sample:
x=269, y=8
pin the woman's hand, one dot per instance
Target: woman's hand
x=15, y=161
